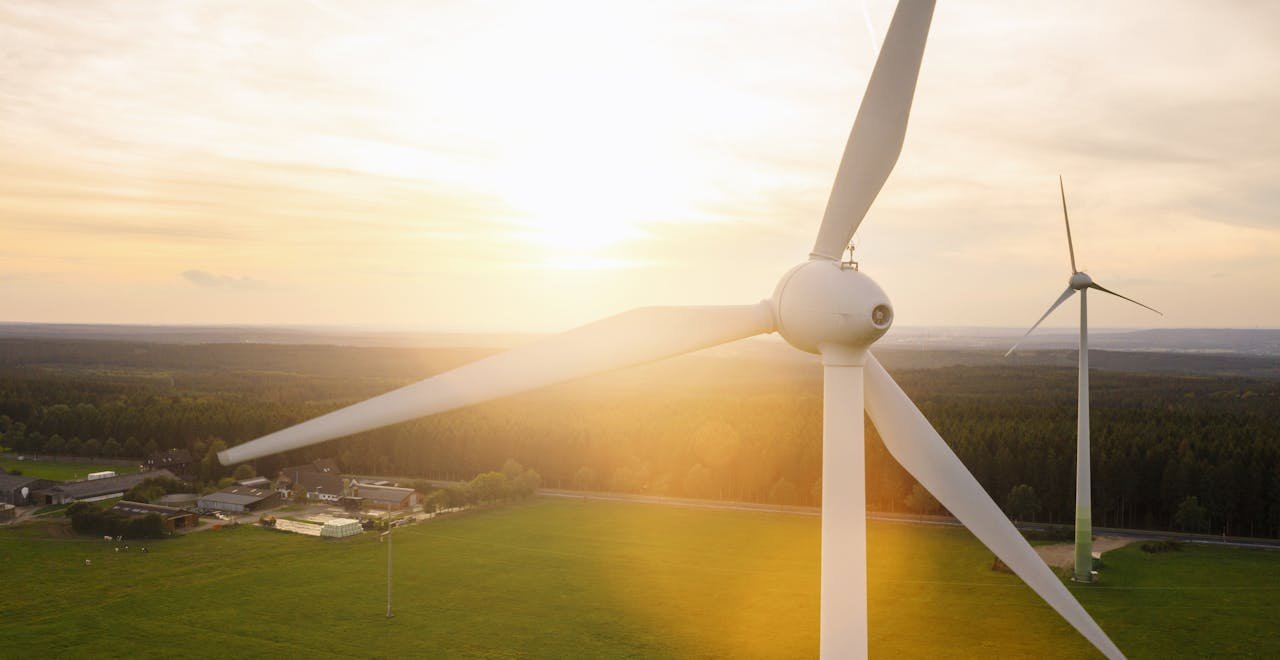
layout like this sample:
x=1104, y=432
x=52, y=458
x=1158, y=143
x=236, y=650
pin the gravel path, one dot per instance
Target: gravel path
x=1063, y=555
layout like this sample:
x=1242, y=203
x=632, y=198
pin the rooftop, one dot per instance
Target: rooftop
x=315, y=481
x=142, y=509
x=119, y=484
x=14, y=481
x=383, y=493
x=241, y=495
x=170, y=457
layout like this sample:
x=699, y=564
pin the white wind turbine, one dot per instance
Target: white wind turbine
x=1080, y=281
x=822, y=306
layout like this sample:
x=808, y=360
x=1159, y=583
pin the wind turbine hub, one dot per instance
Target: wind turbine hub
x=1080, y=281
x=820, y=304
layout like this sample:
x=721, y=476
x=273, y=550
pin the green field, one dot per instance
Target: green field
x=564, y=578
x=62, y=471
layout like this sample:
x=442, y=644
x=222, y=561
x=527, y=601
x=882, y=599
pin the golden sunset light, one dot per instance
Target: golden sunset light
x=383, y=166
x=392, y=165
x=663, y=329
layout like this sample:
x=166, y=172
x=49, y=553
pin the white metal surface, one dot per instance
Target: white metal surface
x=1082, y=282
x=843, y=606
x=912, y=440
x=822, y=306
x=879, y=129
x=819, y=303
x=634, y=337
x=1084, y=482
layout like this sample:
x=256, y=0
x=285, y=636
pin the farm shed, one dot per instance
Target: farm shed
x=174, y=519
x=381, y=497
x=11, y=486
x=92, y=490
x=239, y=499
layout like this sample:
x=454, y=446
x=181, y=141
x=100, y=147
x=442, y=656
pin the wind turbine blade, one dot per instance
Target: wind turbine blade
x=878, y=131
x=1106, y=290
x=634, y=337
x=917, y=446
x=1061, y=299
x=1067, y=220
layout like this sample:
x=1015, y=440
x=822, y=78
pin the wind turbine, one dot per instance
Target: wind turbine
x=823, y=306
x=1080, y=281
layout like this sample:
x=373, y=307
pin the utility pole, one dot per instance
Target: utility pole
x=388, y=535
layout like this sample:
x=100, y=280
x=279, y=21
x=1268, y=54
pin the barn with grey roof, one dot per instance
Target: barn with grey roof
x=12, y=485
x=238, y=499
x=92, y=490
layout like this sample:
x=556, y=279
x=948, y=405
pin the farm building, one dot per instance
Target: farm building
x=11, y=486
x=175, y=460
x=180, y=500
x=8, y=512
x=92, y=490
x=340, y=527
x=326, y=486
x=174, y=519
x=239, y=499
x=382, y=497
x=320, y=465
x=261, y=483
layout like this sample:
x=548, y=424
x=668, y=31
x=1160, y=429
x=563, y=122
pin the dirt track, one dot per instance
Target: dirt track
x=1063, y=555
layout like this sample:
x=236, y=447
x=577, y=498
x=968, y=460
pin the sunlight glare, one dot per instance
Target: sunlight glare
x=584, y=189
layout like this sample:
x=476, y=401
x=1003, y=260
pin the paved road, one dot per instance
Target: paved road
x=1209, y=539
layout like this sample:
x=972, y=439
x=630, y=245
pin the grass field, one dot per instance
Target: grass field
x=60, y=471
x=562, y=579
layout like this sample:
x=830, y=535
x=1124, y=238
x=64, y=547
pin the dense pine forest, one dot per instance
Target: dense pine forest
x=1199, y=452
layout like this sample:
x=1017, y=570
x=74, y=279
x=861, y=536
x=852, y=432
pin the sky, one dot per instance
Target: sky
x=531, y=166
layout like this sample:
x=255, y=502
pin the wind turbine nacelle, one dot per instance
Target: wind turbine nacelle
x=825, y=303
x=1080, y=280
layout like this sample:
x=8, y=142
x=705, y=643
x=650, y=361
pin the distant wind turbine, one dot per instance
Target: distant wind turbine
x=1080, y=281
x=824, y=306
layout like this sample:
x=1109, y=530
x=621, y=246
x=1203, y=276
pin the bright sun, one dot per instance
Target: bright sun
x=585, y=187
x=578, y=137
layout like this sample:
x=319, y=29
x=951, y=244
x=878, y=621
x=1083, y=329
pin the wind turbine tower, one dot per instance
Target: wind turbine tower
x=824, y=306
x=1080, y=281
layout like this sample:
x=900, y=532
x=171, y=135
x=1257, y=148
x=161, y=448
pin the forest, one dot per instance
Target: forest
x=1192, y=451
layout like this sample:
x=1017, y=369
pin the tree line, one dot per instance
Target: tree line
x=744, y=429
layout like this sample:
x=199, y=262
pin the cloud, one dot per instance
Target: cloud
x=207, y=279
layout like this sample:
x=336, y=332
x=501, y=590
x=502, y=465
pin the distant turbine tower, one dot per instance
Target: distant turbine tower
x=824, y=306
x=1081, y=282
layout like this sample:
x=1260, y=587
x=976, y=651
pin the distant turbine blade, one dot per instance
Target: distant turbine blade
x=917, y=446
x=1067, y=220
x=1106, y=290
x=634, y=337
x=1061, y=299
x=876, y=139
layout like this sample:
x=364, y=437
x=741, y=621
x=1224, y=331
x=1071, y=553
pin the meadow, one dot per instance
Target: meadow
x=62, y=470
x=568, y=578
